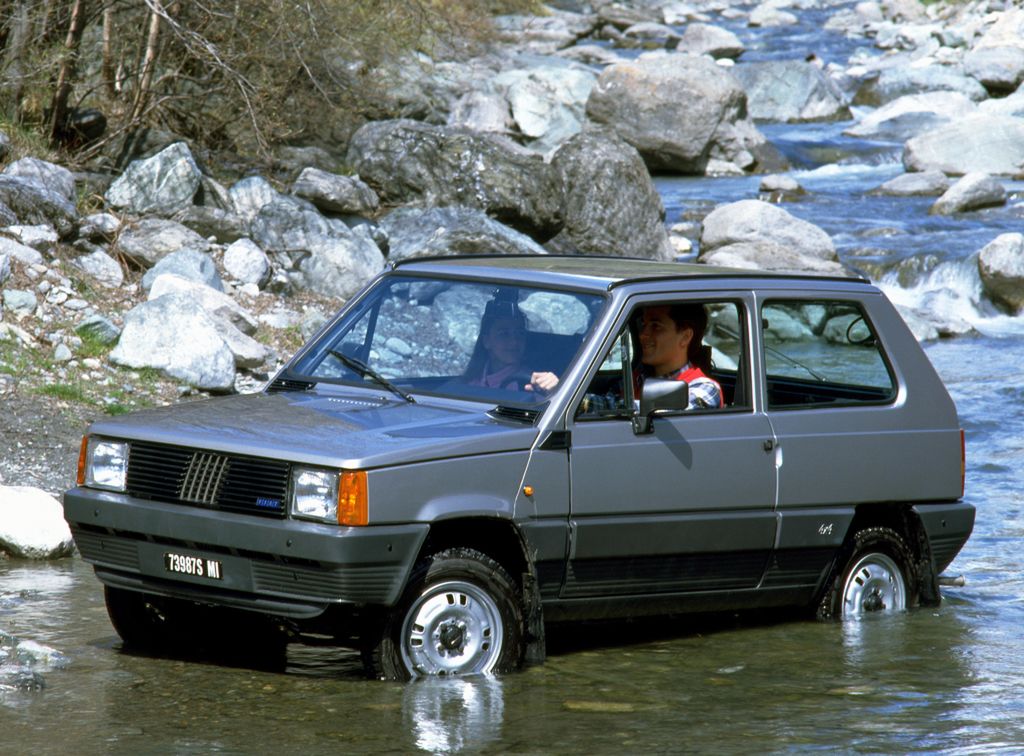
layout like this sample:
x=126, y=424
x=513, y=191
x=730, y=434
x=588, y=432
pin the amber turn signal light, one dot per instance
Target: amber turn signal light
x=352, y=506
x=81, y=460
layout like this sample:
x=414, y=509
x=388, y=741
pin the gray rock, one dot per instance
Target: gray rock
x=42, y=238
x=756, y=234
x=5, y=266
x=590, y=55
x=790, y=91
x=407, y=161
x=5, y=145
x=898, y=81
x=215, y=302
x=163, y=184
x=1012, y=105
x=924, y=184
x=312, y=321
x=547, y=103
x=650, y=33
x=149, y=240
x=222, y=225
x=32, y=525
x=679, y=112
x=611, y=205
x=214, y=195
x=1000, y=69
x=34, y=203
x=7, y=216
x=776, y=188
x=980, y=142
x=175, y=334
x=99, y=227
x=911, y=115
x=101, y=267
x=544, y=34
x=246, y=262
x=974, y=191
x=1001, y=267
x=705, y=39
x=20, y=252
x=333, y=193
x=19, y=302
x=54, y=177
x=98, y=329
x=623, y=16
x=766, y=15
x=62, y=353
x=187, y=263
x=481, y=111
x=249, y=195
x=415, y=232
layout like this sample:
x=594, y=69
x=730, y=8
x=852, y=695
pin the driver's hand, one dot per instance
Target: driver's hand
x=545, y=382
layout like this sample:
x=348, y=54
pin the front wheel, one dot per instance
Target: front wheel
x=461, y=615
x=876, y=574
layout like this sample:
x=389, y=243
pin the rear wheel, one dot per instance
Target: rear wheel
x=460, y=615
x=876, y=574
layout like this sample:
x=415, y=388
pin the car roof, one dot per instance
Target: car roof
x=591, y=271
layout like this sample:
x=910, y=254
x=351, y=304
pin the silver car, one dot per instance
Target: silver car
x=476, y=446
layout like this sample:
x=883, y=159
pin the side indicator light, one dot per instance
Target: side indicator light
x=352, y=504
x=81, y=461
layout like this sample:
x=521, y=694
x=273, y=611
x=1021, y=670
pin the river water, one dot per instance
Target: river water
x=944, y=680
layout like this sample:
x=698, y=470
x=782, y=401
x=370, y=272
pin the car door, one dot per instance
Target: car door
x=687, y=507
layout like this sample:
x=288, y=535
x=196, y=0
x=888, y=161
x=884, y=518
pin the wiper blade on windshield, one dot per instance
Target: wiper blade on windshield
x=365, y=370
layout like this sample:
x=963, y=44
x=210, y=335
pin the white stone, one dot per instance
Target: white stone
x=32, y=524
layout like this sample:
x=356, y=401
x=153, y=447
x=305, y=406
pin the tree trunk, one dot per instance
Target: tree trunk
x=108, y=52
x=149, y=61
x=68, y=69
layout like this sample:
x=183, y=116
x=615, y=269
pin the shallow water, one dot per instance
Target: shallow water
x=935, y=680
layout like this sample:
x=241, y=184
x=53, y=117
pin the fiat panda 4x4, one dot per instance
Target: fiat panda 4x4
x=404, y=487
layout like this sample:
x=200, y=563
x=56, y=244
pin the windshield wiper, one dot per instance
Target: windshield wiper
x=365, y=371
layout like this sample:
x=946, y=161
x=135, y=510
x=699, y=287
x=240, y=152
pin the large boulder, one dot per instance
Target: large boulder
x=680, y=112
x=1000, y=69
x=973, y=191
x=611, y=205
x=924, y=184
x=1001, y=267
x=897, y=81
x=987, y=143
x=36, y=203
x=320, y=254
x=250, y=195
x=418, y=232
x=333, y=193
x=911, y=115
x=547, y=103
x=53, y=177
x=705, y=39
x=32, y=524
x=162, y=184
x=174, y=334
x=790, y=91
x=187, y=263
x=149, y=240
x=212, y=300
x=411, y=162
x=759, y=235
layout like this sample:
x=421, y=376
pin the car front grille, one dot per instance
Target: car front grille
x=199, y=478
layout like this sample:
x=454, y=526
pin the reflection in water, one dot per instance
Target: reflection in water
x=454, y=715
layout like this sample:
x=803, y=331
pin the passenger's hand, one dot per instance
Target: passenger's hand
x=543, y=382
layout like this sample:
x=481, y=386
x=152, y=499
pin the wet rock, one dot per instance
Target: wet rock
x=756, y=234
x=611, y=206
x=679, y=112
x=923, y=184
x=415, y=232
x=98, y=329
x=32, y=524
x=980, y=142
x=175, y=334
x=246, y=262
x=162, y=184
x=407, y=162
x=1001, y=267
x=911, y=115
x=187, y=263
x=778, y=188
x=706, y=39
x=17, y=251
x=101, y=267
x=1000, y=69
x=790, y=91
x=974, y=191
x=149, y=240
x=336, y=194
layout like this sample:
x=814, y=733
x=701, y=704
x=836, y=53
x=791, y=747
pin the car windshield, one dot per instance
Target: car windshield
x=464, y=339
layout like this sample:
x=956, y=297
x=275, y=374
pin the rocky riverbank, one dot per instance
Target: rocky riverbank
x=173, y=280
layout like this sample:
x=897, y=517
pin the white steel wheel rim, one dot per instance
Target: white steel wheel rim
x=452, y=628
x=875, y=584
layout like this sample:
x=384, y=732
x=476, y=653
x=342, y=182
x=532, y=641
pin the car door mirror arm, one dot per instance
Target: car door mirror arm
x=659, y=397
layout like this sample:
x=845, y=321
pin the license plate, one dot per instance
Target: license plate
x=181, y=564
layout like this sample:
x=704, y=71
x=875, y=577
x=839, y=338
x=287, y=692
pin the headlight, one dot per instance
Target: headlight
x=329, y=496
x=103, y=464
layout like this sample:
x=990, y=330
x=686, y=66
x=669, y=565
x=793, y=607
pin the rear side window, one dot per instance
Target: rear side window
x=823, y=352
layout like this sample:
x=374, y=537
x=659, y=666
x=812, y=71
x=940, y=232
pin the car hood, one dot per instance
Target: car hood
x=334, y=429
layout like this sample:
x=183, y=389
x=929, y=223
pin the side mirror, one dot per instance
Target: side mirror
x=659, y=397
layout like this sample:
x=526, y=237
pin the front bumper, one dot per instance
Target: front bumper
x=286, y=567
